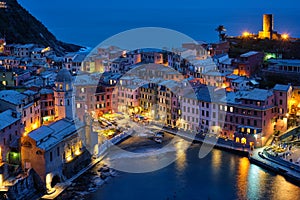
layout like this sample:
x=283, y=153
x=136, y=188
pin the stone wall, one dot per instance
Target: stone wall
x=72, y=168
x=27, y=187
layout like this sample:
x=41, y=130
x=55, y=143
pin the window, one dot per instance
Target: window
x=57, y=150
x=50, y=156
x=61, y=102
x=39, y=152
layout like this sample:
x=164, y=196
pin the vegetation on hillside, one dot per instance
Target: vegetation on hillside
x=17, y=25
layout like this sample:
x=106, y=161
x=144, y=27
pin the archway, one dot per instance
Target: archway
x=55, y=180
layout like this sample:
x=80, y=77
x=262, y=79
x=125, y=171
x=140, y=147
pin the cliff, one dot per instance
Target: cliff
x=18, y=26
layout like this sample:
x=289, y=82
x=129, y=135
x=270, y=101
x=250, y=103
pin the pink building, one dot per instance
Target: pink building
x=11, y=129
x=249, y=63
x=26, y=103
x=249, y=116
x=283, y=95
x=47, y=105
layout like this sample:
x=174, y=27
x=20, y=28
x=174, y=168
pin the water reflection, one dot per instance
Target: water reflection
x=190, y=177
x=254, y=183
x=216, y=162
x=257, y=182
x=181, y=163
x=284, y=190
x=242, y=178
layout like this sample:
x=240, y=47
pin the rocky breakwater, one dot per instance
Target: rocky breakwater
x=88, y=182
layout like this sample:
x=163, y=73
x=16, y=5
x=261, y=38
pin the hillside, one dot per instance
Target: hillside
x=19, y=26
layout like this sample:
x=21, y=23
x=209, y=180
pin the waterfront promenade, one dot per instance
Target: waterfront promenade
x=260, y=158
x=221, y=143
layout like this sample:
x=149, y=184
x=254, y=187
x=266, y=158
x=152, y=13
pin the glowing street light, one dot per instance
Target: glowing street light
x=246, y=34
x=285, y=36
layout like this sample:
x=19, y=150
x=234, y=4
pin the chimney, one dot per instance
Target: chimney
x=14, y=114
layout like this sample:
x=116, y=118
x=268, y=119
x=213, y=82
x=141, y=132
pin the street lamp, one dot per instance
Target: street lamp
x=246, y=34
x=285, y=36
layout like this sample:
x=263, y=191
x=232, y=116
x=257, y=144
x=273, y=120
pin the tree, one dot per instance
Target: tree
x=221, y=30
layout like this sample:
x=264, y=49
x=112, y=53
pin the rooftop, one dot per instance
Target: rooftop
x=282, y=87
x=12, y=96
x=46, y=91
x=248, y=54
x=47, y=137
x=254, y=94
x=209, y=93
x=287, y=62
x=7, y=118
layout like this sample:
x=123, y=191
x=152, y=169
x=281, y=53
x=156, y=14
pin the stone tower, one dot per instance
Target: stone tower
x=64, y=99
x=268, y=28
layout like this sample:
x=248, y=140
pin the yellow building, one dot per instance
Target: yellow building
x=55, y=151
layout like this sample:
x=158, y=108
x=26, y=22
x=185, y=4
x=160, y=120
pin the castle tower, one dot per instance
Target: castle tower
x=268, y=23
x=268, y=27
x=64, y=99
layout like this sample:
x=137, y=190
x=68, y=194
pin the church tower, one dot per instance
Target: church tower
x=64, y=99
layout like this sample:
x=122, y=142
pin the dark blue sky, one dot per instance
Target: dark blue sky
x=88, y=22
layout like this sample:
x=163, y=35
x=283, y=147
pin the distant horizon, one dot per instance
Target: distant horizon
x=91, y=23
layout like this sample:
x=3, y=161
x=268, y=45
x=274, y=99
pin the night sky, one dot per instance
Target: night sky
x=89, y=22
